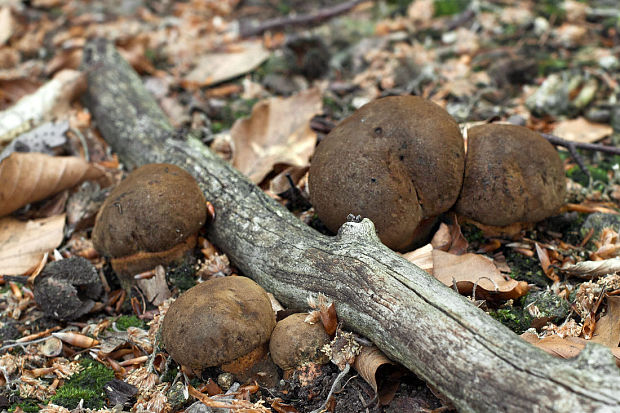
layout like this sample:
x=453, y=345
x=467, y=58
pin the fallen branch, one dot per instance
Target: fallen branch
x=299, y=19
x=475, y=361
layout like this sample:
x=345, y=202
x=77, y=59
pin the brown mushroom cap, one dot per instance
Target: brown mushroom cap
x=295, y=342
x=397, y=160
x=217, y=322
x=512, y=174
x=157, y=207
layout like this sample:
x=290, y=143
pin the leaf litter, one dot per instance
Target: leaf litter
x=557, y=74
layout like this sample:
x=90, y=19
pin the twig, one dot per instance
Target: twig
x=340, y=376
x=301, y=19
x=573, y=146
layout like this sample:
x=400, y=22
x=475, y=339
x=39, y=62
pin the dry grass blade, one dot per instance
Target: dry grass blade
x=31, y=177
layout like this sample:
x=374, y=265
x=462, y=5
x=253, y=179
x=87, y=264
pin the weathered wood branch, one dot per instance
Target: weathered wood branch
x=480, y=365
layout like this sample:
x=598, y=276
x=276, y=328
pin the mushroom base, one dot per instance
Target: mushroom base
x=256, y=365
x=127, y=267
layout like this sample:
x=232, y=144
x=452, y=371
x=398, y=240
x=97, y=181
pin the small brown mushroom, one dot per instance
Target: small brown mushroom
x=295, y=342
x=222, y=322
x=512, y=174
x=151, y=218
x=397, y=160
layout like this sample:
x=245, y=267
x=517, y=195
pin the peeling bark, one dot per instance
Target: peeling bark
x=479, y=364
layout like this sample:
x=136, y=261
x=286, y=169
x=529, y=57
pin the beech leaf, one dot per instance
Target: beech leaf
x=277, y=132
x=470, y=269
x=23, y=244
x=607, y=330
x=31, y=177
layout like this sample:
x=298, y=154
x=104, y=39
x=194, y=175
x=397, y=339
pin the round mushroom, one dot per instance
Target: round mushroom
x=295, y=343
x=223, y=321
x=512, y=174
x=151, y=218
x=398, y=161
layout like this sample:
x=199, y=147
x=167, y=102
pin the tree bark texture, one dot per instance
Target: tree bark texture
x=479, y=364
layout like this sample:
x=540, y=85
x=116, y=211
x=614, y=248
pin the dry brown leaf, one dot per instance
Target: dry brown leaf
x=6, y=24
x=23, y=244
x=582, y=130
x=381, y=373
x=592, y=269
x=214, y=68
x=31, y=177
x=607, y=331
x=422, y=257
x=567, y=347
x=280, y=182
x=155, y=288
x=277, y=132
x=470, y=269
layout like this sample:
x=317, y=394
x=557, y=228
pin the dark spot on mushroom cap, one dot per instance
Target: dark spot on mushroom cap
x=157, y=207
x=295, y=342
x=512, y=174
x=217, y=322
x=417, y=162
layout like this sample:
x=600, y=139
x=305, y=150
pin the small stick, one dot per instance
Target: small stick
x=338, y=379
x=301, y=19
x=573, y=146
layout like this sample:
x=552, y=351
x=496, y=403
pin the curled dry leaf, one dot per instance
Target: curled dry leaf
x=76, y=339
x=607, y=330
x=469, y=270
x=277, y=132
x=31, y=177
x=214, y=68
x=24, y=244
x=381, y=373
x=592, y=269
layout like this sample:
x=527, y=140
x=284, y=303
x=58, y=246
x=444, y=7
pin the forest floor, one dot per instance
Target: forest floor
x=220, y=71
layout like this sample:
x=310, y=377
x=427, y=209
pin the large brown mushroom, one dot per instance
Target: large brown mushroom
x=221, y=322
x=151, y=218
x=512, y=174
x=397, y=160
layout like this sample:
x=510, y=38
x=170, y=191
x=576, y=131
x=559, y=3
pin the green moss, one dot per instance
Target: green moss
x=85, y=385
x=182, y=276
x=170, y=375
x=599, y=176
x=472, y=233
x=126, y=321
x=551, y=65
x=449, y=7
x=27, y=405
x=513, y=317
x=525, y=269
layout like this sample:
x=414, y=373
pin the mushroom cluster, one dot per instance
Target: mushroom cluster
x=151, y=218
x=400, y=162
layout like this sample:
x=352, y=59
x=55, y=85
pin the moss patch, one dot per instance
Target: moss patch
x=513, y=317
x=525, y=269
x=126, y=321
x=85, y=385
